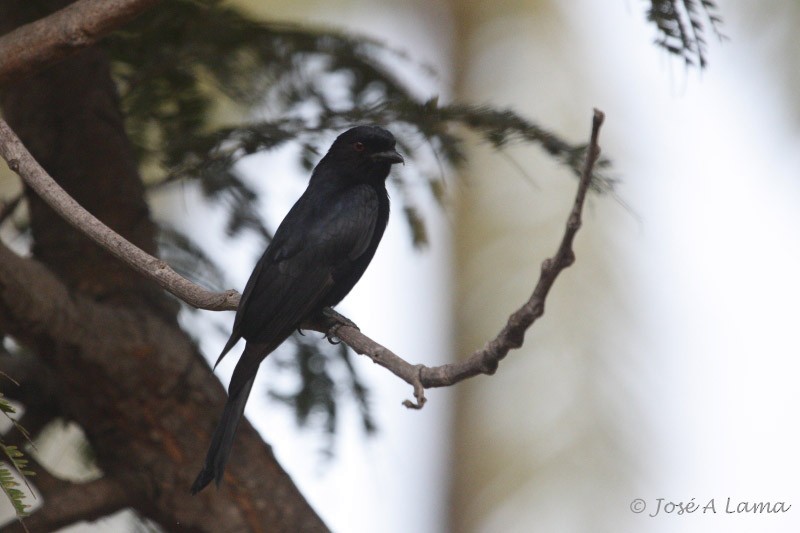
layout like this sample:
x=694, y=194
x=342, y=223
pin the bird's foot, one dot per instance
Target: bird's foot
x=335, y=321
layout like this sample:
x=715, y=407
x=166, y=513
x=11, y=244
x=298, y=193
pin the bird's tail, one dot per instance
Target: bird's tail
x=221, y=442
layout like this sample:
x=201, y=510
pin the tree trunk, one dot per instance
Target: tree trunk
x=124, y=370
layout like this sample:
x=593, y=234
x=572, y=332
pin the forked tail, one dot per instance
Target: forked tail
x=221, y=442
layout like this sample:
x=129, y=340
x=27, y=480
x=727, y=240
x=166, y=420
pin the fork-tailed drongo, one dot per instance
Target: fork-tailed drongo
x=319, y=252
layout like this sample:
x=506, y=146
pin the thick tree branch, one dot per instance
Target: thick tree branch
x=38, y=390
x=36, y=380
x=483, y=361
x=131, y=377
x=33, y=46
x=69, y=503
x=66, y=502
x=168, y=403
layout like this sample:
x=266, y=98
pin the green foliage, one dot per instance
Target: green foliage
x=7, y=482
x=179, y=61
x=681, y=27
x=16, y=459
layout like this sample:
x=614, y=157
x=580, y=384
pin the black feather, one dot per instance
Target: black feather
x=319, y=252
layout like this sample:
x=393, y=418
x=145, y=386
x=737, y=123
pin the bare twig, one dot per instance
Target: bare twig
x=33, y=46
x=22, y=162
x=487, y=359
x=483, y=361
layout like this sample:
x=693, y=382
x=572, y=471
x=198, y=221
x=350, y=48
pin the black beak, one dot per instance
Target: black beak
x=390, y=156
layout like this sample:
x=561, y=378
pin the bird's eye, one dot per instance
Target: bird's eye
x=358, y=146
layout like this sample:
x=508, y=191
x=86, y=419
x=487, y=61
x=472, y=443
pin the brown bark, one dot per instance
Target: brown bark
x=78, y=25
x=127, y=373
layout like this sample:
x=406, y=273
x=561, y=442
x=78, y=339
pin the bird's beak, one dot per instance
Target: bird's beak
x=390, y=156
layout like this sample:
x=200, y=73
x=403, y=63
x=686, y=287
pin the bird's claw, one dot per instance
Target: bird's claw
x=335, y=321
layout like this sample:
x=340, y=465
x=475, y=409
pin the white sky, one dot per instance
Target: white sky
x=710, y=163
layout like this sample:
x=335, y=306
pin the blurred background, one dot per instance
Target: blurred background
x=665, y=365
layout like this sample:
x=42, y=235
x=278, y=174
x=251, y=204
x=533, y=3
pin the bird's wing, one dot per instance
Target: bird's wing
x=236, y=333
x=286, y=242
x=318, y=240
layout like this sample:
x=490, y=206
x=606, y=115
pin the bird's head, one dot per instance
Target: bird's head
x=365, y=152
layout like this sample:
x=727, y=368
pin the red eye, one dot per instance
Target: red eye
x=358, y=146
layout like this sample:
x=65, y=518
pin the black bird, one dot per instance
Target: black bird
x=319, y=252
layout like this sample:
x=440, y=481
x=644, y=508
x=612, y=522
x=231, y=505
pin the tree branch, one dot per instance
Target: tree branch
x=66, y=502
x=31, y=47
x=22, y=162
x=483, y=361
x=487, y=359
x=168, y=403
x=37, y=388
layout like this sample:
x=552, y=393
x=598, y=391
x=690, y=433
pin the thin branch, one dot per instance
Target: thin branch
x=22, y=162
x=483, y=361
x=31, y=47
x=487, y=359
